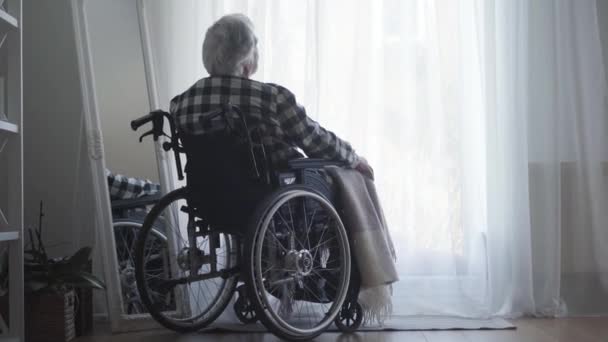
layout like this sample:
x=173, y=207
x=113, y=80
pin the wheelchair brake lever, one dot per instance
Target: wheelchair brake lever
x=150, y=132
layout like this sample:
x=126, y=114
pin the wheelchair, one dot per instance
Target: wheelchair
x=128, y=216
x=273, y=236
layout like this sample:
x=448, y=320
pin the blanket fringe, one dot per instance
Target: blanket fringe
x=377, y=304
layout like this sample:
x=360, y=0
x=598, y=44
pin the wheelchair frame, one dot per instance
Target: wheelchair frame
x=127, y=219
x=348, y=317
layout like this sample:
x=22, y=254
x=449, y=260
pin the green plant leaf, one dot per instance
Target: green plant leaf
x=98, y=283
x=62, y=267
x=33, y=267
x=81, y=280
x=42, y=274
x=36, y=275
x=81, y=258
x=36, y=285
x=36, y=256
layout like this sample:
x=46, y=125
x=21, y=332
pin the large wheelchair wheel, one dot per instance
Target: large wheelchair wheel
x=297, y=264
x=186, y=284
x=125, y=236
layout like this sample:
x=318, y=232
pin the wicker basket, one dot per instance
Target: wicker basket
x=50, y=317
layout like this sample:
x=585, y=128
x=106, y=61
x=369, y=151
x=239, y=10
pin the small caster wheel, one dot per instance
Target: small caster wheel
x=244, y=309
x=350, y=317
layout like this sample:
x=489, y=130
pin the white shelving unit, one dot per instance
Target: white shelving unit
x=11, y=164
x=7, y=127
x=7, y=21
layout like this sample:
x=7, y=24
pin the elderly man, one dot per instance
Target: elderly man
x=230, y=56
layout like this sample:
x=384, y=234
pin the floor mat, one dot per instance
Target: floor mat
x=406, y=323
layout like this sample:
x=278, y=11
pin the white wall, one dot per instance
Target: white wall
x=120, y=83
x=55, y=152
x=55, y=168
x=602, y=13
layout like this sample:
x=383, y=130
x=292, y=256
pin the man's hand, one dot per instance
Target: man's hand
x=364, y=168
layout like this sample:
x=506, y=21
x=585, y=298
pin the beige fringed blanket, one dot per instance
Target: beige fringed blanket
x=370, y=241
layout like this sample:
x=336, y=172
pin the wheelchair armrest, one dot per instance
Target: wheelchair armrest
x=311, y=163
x=136, y=202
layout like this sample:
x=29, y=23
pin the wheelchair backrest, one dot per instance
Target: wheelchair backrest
x=224, y=170
x=221, y=137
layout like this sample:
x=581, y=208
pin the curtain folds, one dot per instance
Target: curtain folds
x=485, y=121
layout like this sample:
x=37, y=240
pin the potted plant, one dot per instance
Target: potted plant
x=49, y=289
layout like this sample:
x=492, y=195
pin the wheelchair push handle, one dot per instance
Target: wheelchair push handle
x=157, y=118
x=135, y=124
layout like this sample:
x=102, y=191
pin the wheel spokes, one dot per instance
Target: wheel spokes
x=174, y=293
x=301, y=281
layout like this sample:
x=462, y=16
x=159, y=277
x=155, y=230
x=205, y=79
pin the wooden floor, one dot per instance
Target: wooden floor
x=528, y=330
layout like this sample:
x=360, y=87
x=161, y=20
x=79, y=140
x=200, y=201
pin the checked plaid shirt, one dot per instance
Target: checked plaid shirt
x=272, y=109
x=123, y=187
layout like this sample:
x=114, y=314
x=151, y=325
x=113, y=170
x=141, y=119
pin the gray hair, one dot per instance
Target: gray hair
x=230, y=45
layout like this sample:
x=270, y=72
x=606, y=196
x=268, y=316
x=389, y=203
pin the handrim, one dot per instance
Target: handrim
x=224, y=292
x=256, y=261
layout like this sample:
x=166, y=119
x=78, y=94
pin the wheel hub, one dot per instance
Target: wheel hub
x=127, y=276
x=189, y=259
x=299, y=261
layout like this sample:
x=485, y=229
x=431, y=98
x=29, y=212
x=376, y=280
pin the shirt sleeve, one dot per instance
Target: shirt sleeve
x=123, y=187
x=309, y=135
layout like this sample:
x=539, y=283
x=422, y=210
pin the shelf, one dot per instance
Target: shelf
x=9, y=236
x=6, y=126
x=4, y=338
x=7, y=21
x=11, y=136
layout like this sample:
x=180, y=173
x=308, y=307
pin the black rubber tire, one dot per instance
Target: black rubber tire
x=131, y=305
x=346, y=314
x=244, y=311
x=247, y=268
x=219, y=304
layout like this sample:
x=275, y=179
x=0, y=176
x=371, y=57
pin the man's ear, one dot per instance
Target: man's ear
x=246, y=70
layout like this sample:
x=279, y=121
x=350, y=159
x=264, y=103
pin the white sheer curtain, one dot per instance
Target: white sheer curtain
x=567, y=124
x=484, y=120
